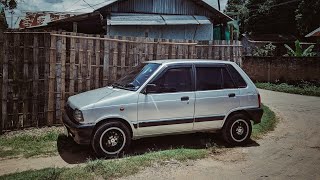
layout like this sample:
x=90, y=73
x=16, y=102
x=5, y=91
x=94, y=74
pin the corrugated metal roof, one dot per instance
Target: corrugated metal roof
x=176, y=20
x=134, y=19
x=137, y=20
x=202, y=19
x=177, y=7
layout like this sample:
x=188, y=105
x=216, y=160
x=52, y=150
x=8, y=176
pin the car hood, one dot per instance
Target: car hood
x=88, y=99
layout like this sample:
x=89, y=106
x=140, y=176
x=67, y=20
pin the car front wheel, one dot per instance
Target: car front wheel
x=237, y=130
x=111, y=139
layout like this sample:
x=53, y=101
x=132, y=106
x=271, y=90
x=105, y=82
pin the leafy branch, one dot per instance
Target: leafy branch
x=299, y=52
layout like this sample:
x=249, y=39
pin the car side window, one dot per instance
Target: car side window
x=227, y=80
x=213, y=78
x=209, y=78
x=174, y=80
x=240, y=82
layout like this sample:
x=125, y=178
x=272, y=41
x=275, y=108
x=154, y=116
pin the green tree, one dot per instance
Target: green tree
x=308, y=16
x=271, y=16
x=236, y=8
x=234, y=5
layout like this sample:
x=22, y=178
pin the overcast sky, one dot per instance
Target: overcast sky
x=70, y=6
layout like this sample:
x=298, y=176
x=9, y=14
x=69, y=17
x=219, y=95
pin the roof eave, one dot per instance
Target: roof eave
x=313, y=33
x=210, y=8
x=201, y=2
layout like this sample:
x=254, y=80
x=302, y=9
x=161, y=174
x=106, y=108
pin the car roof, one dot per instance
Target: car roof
x=189, y=61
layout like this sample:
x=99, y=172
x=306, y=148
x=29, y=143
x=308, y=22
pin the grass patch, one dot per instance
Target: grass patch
x=48, y=173
x=29, y=144
x=268, y=123
x=110, y=169
x=303, y=89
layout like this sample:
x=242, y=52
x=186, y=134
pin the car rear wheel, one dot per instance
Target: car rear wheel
x=237, y=130
x=111, y=139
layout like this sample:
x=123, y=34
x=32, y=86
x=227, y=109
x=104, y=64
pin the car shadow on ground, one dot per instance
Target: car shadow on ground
x=73, y=153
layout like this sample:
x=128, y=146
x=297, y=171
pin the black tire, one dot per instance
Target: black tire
x=111, y=140
x=237, y=130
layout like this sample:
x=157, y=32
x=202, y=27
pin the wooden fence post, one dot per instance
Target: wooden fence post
x=106, y=61
x=52, y=77
x=240, y=53
x=63, y=76
x=26, y=77
x=122, y=55
x=115, y=60
x=80, y=65
x=72, y=64
x=47, y=43
x=35, y=80
x=16, y=78
x=1, y=65
x=5, y=49
x=97, y=69
x=89, y=63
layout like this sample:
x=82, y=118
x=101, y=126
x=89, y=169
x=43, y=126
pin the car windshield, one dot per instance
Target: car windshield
x=137, y=77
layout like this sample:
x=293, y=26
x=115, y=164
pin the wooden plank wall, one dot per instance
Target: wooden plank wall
x=24, y=86
x=1, y=77
x=40, y=71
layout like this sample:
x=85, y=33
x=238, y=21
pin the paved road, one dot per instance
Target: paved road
x=292, y=151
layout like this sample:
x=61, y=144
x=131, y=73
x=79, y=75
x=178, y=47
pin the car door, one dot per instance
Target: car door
x=216, y=96
x=170, y=106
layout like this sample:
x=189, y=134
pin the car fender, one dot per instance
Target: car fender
x=117, y=116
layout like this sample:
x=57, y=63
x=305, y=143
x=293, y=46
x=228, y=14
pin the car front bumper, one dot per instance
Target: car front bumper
x=79, y=132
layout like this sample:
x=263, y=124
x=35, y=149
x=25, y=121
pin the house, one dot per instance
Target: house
x=315, y=36
x=168, y=19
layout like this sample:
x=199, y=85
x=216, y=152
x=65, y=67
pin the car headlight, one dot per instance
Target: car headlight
x=77, y=115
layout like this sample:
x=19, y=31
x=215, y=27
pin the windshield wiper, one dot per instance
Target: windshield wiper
x=117, y=85
x=130, y=85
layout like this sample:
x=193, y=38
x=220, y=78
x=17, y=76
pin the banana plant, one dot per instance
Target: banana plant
x=299, y=52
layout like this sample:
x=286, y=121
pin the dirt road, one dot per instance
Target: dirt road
x=292, y=151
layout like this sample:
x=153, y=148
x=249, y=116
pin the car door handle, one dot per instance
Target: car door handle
x=232, y=95
x=185, y=98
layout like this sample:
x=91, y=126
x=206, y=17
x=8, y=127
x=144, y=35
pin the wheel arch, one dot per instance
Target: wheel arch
x=121, y=120
x=241, y=111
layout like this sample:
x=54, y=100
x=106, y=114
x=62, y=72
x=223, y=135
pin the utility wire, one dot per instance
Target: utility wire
x=73, y=4
x=276, y=5
x=89, y=7
x=88, y=4
x=259, y=4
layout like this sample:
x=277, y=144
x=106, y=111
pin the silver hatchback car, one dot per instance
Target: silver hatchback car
x=165, y=97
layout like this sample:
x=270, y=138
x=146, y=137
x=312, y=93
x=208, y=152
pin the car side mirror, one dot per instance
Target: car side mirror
x=150, y=88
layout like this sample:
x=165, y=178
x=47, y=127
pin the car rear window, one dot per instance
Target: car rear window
x=209, y=78
x=227, y=80
x=214, y=78
x=240, y=82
